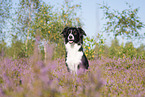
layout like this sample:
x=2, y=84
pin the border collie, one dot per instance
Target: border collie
x=75, y=57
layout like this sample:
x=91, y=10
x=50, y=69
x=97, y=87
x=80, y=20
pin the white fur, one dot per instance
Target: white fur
x=73, y=56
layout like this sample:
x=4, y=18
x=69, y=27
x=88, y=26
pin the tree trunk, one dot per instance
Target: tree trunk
x=45, y=51
x=28, y=31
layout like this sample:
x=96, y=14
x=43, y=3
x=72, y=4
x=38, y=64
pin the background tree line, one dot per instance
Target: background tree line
x=32, y=18
x=34, y=21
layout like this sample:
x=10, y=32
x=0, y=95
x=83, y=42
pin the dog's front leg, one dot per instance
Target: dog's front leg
x=75, y=68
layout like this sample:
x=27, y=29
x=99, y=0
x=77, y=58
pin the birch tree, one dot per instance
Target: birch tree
x=26, y=14
x=5, y=15
x=124, y=23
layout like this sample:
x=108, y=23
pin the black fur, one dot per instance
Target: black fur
x=78, y=39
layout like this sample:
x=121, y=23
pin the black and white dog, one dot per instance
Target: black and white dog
x=75, y=57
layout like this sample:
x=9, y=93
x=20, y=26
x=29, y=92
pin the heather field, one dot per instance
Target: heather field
x=32, y=51
x=31, y=77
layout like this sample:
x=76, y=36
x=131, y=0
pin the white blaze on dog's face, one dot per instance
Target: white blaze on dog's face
x=70, y=37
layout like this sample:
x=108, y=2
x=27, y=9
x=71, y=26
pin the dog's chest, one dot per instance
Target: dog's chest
x=74, y=56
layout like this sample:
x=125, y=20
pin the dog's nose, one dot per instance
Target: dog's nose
x=70, y=37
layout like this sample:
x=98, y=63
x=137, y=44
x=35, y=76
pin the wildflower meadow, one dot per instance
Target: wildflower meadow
x=106, y=77
x=32, y=52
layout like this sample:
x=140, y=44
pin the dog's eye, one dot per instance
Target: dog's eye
x=75, y=33
x=69, y=32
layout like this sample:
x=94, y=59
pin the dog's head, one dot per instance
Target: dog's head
x=73, y=35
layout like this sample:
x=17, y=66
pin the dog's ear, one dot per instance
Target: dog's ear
x=64, y=31
x=82, y=32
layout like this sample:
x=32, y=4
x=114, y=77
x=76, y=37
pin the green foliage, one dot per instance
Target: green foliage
x=5, y=7
x=89, y=44
x=25, y=14
x=141, y=51
x=18, y=50
x=99, y=47
x=3, y=48
x=5, y=16
x=36, y=18
x=120, y=51
x=115, y=49
x=129, y=50
x=125, y=23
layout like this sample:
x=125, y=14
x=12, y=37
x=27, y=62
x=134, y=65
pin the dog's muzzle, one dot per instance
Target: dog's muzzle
x=71, y=38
